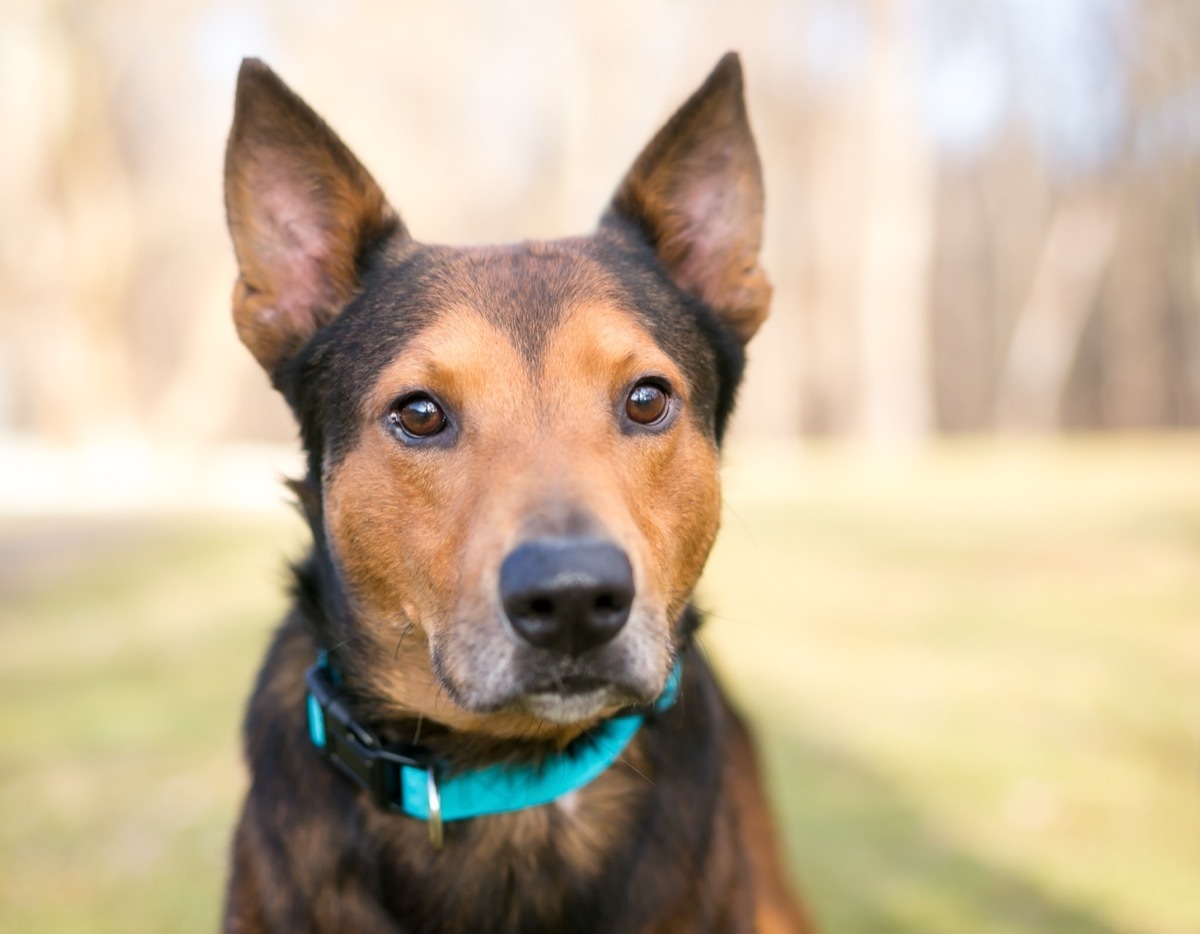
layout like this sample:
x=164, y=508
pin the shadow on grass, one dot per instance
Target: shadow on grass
x=868, y=860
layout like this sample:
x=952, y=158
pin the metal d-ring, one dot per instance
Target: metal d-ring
x=436, y=830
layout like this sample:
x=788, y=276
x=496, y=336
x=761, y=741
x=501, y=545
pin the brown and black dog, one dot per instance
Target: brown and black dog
x=512, y=485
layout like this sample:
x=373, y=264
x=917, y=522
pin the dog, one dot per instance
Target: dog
x=485, y=710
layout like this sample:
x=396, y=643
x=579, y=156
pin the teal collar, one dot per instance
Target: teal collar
x=407, y=779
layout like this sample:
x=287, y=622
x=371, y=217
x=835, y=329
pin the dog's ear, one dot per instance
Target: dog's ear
x=302, y=212
x=696, y=194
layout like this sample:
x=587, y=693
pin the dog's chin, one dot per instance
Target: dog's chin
x=573, y=707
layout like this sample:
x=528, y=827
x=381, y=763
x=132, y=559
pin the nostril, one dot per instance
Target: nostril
x=609, y=606
x=541, y=606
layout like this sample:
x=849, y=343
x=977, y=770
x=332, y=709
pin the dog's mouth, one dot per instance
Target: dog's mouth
x=571, y=698
x=570, y=685
x=503, y=677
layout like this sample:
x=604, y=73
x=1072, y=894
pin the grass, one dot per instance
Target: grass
x=975, y=677
x=121, y=685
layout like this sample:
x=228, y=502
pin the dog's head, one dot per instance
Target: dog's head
x=513, y=451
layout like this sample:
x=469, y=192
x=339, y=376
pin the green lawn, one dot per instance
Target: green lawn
x=976, y=678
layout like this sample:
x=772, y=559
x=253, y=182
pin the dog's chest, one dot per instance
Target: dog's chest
x=518, y=871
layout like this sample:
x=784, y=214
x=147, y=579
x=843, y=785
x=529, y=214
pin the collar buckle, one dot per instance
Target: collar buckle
x=355, y=749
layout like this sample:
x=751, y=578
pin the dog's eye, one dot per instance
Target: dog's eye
x=418, y=416
x=647, y=403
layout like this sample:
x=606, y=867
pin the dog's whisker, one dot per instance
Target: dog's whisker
x=400, y=643
x=712, y=614
x=337, y=645
x=746, y=527
x=620, y=758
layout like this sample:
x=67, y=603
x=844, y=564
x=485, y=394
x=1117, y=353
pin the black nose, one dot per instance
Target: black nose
x=569, y=594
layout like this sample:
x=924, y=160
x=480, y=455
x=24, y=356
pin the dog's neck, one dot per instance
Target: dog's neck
x=405, y=776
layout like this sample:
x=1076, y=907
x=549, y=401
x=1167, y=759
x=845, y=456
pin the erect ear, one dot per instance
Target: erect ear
x=696, y=193
x=302, y=211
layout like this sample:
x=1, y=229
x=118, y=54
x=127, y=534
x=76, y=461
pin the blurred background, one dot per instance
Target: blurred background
x=959, y=583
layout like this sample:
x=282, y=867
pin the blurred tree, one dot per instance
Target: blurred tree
x=979, y=214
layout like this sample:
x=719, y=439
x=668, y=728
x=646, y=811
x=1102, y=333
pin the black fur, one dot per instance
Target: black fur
x=312, y=828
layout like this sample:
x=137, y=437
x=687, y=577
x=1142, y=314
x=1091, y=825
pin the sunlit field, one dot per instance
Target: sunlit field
x=975, y=676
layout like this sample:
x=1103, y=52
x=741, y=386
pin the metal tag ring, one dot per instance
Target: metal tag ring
x=436, y=830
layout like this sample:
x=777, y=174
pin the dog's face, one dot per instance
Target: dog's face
x=513, y=450
x=531, y=408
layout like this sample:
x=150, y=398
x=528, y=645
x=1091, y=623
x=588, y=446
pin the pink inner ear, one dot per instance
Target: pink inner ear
x=294, y=246
x=714, y=229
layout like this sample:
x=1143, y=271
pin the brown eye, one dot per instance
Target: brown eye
x=647, y=403
x=418, y=417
